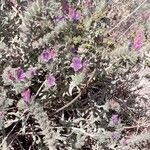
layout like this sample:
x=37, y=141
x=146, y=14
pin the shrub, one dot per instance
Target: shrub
x=66, y=82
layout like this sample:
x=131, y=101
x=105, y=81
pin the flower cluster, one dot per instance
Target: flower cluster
x=47, y=55
x=138, y=40
x=18, y=77
x=72, y=13
x=26, y=95
x=67, y=63
x=76, y=64
x=14, y=75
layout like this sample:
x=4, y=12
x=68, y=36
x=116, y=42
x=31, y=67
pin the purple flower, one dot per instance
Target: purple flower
x=74, y=14
x=76, y=64
x=52, y=54
x=115, y=119
x=26, y=94
x=71, y=12
x=138, y=40
x=47, y=55
x=51, y=81
x=19, y=74
x=115, y=135
x=65, y=6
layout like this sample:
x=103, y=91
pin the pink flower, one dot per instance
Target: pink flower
x=74, y=14
x=52, y=54
x=138, y=40
x=51, y=81
x=76, y=64
x=48, y=55
x=26, y=94
x=115, y=119
x=19, y=74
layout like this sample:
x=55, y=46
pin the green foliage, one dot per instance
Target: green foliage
x=71, y=111
x=51, y=136
x=77, y=79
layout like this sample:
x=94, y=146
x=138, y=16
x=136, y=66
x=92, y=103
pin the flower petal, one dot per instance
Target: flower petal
x=19, y=74
x=76, y=64
x=26, y=95
x=51, y=81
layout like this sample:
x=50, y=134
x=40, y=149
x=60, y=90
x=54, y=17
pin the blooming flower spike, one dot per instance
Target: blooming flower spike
x=115, y=119
x=76, y=64
x=26, y=95
x=138, y=40
x=74, y=14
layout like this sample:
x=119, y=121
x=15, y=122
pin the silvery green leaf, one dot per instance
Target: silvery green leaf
x=77, y=79
x=1, y=123
x=5, y=102
x=10, y=122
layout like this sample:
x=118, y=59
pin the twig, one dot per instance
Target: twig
x=78, y=96
x=18, y=132
x=138, y=126
x=37, y=93
x=11, y=131
x=128, y=16
x=22, y=116
x=17, y=12
x=121, y=36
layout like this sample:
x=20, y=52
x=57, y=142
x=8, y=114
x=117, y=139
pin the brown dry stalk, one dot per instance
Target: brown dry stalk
x=134, y=11
x=34, y=98
x=78, y=96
